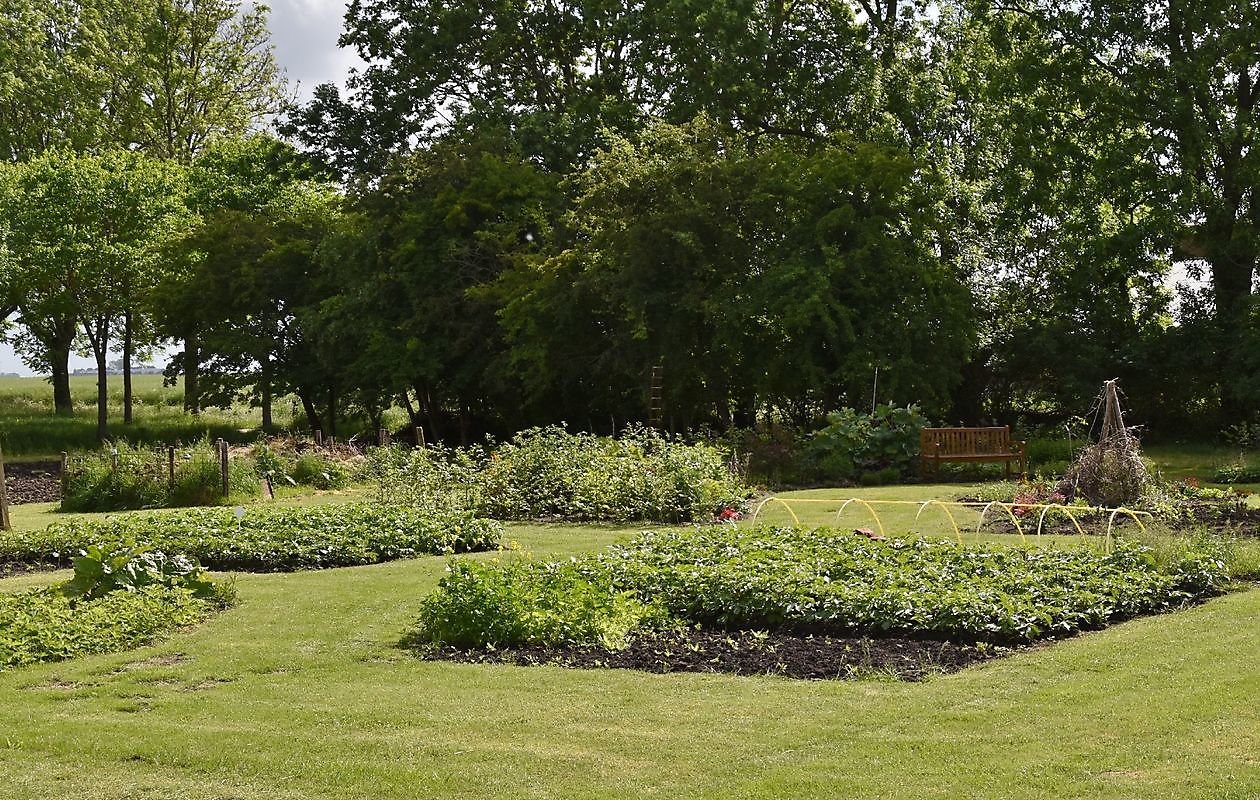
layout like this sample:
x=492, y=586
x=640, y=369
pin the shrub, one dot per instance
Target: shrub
x=549, y=472
x=852, y=444
x=268, y=538
x=298, y=462
x=320, y=471
x=1238, y=472
x=142, y=479
x=478, y=605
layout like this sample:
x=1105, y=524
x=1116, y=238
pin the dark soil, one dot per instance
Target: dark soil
x=8, y=569
x=34, y=482
x=747, y=653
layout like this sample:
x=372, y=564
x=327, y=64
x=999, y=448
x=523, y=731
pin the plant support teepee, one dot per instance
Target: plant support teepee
x=1110, y=472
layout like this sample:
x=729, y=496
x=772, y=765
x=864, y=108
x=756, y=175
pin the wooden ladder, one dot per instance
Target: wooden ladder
x=656, y=407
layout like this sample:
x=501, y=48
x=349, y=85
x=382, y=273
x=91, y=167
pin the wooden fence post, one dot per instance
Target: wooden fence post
x=65, y=471
x=170, y=466
x=419, y=436
x=5, y=524
x=382, y=437
x=319, y=438
x=223, y=467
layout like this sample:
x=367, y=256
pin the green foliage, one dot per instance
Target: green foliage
x=884, y=445
x=121, y=596
x=1240, y=471
x=267, y=538
x=835, y=581
x=142, y=479
x=101, y=569
x=320, y=471
x=49, y=625
x=482, y=605
x=551, y=473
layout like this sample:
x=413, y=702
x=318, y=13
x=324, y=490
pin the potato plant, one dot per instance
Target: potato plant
x=268, y=538
x=813, y=580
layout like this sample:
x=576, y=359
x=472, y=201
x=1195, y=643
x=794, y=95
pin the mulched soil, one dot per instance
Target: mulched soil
x=34, y=482
x=746, y=653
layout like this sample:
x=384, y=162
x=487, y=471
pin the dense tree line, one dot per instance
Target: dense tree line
x=518, y=210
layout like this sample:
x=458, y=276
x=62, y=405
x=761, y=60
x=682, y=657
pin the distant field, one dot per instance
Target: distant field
x=29, y=429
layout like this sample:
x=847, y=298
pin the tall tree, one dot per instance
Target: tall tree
x=558, y=73
x=758, y=276
x=1154, y=109
x=84, y=234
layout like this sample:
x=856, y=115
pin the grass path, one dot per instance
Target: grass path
x=300, y=692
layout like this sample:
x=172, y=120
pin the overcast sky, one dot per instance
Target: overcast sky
x=305, y=34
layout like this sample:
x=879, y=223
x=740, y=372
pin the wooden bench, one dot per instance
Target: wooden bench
x=969, y=444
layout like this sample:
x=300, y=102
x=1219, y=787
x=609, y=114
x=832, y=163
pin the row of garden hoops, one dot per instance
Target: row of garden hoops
x=1012, y=510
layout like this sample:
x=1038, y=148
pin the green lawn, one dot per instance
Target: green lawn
x=301, y=692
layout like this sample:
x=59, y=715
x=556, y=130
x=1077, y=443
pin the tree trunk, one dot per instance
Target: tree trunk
x=1233, y=264
x=128, y=336
x=411, y=409
x=59, y=360
x=430, y=411
x=192, y=374
x=308, y=407
x=97, y=331
x=59, y=346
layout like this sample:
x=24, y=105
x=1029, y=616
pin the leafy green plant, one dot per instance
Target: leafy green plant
x=853, y=444
x=320, y=471
x=819, y=580
x=268, y=538
x=549, y=472
x=480, y=605
x=101, y=569
x=1240, y=471
x=49, y=625
x=123, y=477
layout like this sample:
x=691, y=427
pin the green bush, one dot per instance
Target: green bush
x=853, y=444
x=551, y=473
x=142, y=479
x=817, y=580
x=267, y=538
x=1238, y=472
x=1040, y=453
x=300, y=464
x=479, y=605
x=101, y=569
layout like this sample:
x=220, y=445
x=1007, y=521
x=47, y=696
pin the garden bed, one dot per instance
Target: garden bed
x=265, y=538
x=805, y=603
x=33, y=482
x=746, y=653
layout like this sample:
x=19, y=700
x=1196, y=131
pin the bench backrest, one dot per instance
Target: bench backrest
x=965, y=441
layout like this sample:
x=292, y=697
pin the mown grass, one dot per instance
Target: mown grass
x=302, y=692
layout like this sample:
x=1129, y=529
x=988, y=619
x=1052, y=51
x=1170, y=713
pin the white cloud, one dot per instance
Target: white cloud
x=305, y=34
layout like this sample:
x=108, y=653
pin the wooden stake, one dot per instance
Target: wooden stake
x=319, y=438
x=5, y=524
x=65, y=471
x=223, y=467
x=170, y=466
x=419, y=436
